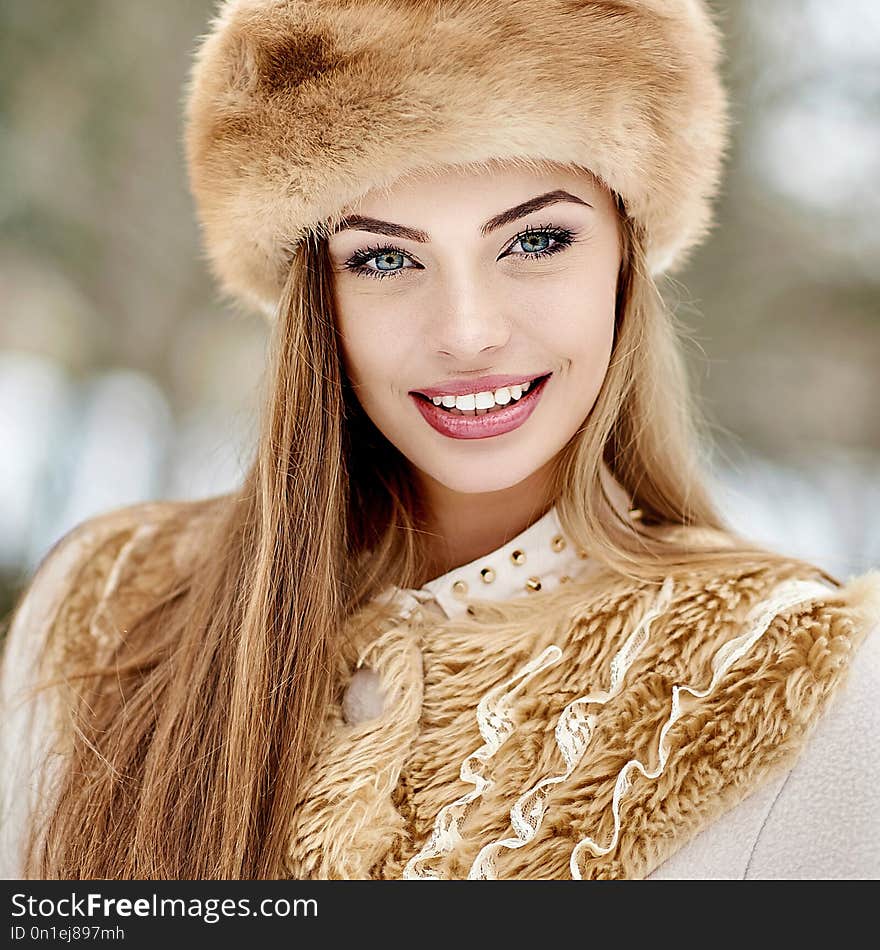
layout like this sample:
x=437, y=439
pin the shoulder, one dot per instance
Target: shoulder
x=804, y=701
x=69, y=584
x=822, y=823
x=724, y=678
x=60, y=619
x=66, y=579
x=816, y=820
x=73, y=574
x=89, y=548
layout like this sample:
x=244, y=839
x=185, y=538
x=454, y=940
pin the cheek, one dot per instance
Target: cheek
x=371, y=341
x=575, y=321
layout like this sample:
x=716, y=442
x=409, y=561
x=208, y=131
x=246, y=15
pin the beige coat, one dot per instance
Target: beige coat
x=611, y=729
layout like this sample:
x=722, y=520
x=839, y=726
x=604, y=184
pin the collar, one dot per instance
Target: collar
x=539, y=558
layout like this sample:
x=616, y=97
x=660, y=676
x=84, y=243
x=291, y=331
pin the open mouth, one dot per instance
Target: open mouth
x=486, y=423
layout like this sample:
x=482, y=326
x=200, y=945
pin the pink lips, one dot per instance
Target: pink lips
x=493, y=423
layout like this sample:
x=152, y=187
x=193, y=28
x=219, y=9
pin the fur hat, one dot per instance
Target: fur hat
x=295, y=108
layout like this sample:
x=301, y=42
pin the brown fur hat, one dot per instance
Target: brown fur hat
x=296, y=108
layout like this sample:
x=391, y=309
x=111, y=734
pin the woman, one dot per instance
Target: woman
x=472, y=612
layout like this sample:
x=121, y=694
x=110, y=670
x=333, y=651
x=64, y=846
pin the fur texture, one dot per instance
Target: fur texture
x=376, y=788
x=295, y=108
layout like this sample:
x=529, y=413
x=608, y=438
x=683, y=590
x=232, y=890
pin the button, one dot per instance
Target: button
x=582, y=554
x=459, y=588
x=558, y=543
x=533, y=583
x=364, y=698
x=564, y=579
x=487, y=575
x=518, y=557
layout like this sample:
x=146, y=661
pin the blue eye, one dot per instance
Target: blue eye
x=385, y=258
x=535, y=242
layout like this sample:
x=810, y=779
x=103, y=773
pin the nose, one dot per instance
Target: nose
x=469, y=319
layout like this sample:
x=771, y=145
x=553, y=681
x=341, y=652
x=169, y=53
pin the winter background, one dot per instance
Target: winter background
x=122, y=378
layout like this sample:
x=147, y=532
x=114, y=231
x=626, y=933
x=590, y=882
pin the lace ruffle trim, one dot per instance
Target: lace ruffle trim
x=786, y=595
x=573, y=732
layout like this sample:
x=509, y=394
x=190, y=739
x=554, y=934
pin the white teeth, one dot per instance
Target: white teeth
x=484, y=400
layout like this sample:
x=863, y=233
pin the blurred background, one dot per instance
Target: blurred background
x=123, y=378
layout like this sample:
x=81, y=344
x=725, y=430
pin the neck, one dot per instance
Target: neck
x=463, y=527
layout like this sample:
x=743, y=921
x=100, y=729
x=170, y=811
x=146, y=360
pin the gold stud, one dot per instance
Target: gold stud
x=488, y=575
x=635, y=513
x=558, y=543
x=533, y=583
x=564, y=579
x=582, y=554
x=460, y=588
x=518, y=557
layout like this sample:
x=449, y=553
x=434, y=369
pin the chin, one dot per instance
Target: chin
x=480, y=480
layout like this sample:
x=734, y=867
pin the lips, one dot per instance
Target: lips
x=487, y=425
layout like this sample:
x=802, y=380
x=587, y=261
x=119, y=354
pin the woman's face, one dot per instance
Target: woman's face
x=443, y=280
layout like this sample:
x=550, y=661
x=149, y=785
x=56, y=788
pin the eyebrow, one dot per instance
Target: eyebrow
x=360, y=222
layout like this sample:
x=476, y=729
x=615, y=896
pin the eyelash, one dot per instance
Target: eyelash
x=563, y=237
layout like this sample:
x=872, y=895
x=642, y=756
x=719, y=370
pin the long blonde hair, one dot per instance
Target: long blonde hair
x=226, y=677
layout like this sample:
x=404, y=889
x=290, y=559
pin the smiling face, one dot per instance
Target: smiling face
x=443, y=281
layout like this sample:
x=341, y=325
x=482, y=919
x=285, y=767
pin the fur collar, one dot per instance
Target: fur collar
x=378, y=787
x=375, y=792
